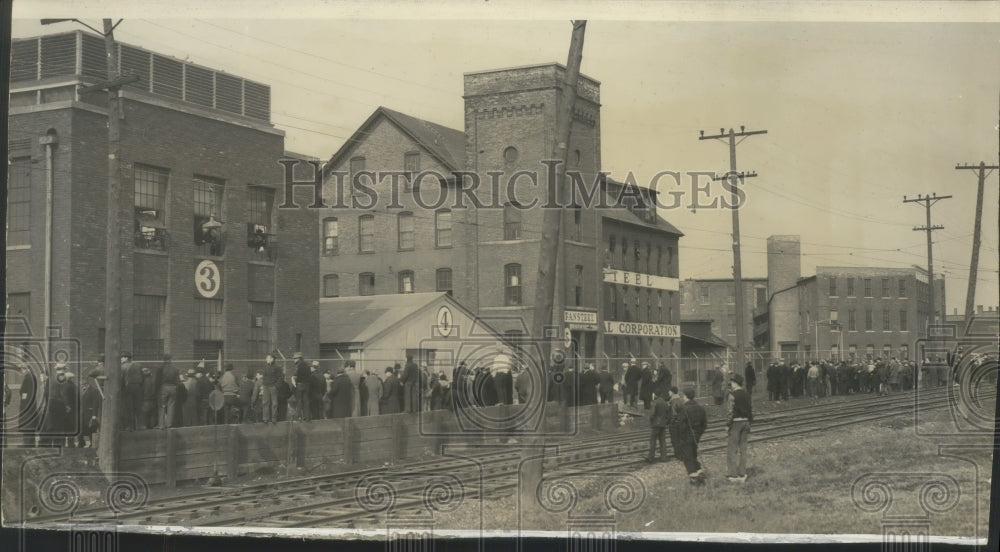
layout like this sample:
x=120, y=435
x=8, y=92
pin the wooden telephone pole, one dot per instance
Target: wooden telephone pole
x=970, y=296
x=928, y=202
x=533, y=453
x=734, y=178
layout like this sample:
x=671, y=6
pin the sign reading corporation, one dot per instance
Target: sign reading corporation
x=612, y=327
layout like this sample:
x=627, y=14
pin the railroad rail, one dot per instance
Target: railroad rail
x=327, y=499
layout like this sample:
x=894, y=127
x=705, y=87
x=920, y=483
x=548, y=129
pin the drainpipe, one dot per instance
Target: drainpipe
x=50, y=140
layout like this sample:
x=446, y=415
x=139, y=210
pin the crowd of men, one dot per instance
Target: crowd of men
x=824, y=378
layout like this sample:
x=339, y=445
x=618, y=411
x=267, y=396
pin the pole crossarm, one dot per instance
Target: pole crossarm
x=983, y=170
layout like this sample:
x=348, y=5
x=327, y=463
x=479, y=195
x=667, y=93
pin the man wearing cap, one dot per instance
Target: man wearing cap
x=646, y=386
x=411, y=389
x=317, y=388
x=374, y=386
x=169, y=380
x=269, y=391
x=659, y=419
x=632, y=377
x=301, y=381
x=149, y=390
x=355, y=378
x=132, y=385
x=230, y=391
x=390, y=392
x=189, y=410
x=690, y=427
x=740, y=418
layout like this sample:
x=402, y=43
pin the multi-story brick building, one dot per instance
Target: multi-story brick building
x=211, y=262
x=715, y=299
x=482, y=242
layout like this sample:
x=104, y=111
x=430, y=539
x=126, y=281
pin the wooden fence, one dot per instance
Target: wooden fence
x=188, y=453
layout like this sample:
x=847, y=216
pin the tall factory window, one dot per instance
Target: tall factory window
x=366, y=234
x=609, y=257
x=850, y=287
x=649, y=257
x=260, y=343
x=511, y=222
x=731, y=323
x=366, y=283
x=406, y=281
x=411, y=166
x=405, y=227
x=512, y=284
x=833, y=286
x=19, y=202
x=731, y=295
x=659, y=260
x=442, y=228
x=209, y=322
x=904, y=352
x=886, y=351
x=577, y=223
x=149, y=326
x=612, y=302
x=902, y=287
x=260, y=204
x=670, y=262
x=443, y=280
x=761, y=297
x=208, y=196
x=331, y=285
x=868, y=320
x=637, y=313
x=150, y=186
x=670, y=311
x=578, y=286
x=623, y=262
x=331, y=236
x=868, y=287
x=703, y=297
x=903, y=321
x=885, y=287
x=659, y=307
x=885, y=320
x=649, y=305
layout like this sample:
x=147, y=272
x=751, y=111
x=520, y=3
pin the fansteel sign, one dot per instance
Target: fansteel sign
x=612, y=327
x=639, y=279
x=580, y=320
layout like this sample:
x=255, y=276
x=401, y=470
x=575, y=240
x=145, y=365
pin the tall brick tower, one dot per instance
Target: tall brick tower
x=510, y=121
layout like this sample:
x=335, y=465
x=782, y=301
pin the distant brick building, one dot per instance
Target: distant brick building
x=211, y=262
x=485, y=254
x=714, y=299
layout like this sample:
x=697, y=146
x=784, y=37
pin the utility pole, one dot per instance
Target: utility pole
x=117, y=238
x=928, y=202
x=533, y=453
x=970, y=296
x=734, y=178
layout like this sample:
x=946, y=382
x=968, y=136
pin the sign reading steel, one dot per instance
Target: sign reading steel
x=207, y=279
x=639, y=279
x=612, y=327
x=445, y=321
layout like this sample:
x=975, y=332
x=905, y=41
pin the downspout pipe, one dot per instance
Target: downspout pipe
x=49, y=141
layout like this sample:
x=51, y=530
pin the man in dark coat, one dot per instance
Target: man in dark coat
x=189, y=410
x=750, y=376
x=284, y=392
x=246, y=398
x=690, y=429
x=504, y=383
x=149, y=393
x=57, y=407
x=132, y=386
x=646, y=386
x=659, y=419
x=90, y=408
x=772, y=379
x=341, y=395
x=390, y=393
x=589, y=380
x=317, y=388
x=169, y=380
x=411, y=385
x=203, y=388
x=632, y=377
x=606, y=385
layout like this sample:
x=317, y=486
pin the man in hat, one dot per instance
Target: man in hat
x=606, y=385
x=632, y=376
x=341, y=395
x=301, y=381
x=203, y=388
x=189, y=410
x=589, y=380
x=246, y=398
x=317, y=388
x=390, y=392
x=750, y=376
x=169, y=380
x=132, y=385
x=739, y=419
x=659, y=419
x=690, y=427
x=355, y=378
x=410, y=381
x=230, y=391
x=646, y=385
x=149, y=390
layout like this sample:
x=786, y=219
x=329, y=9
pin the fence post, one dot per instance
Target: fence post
x=172, y=458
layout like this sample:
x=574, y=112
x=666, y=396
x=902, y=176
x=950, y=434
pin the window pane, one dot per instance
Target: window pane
x=19, y=201
x=443, y=280
x=148, y=326
x=512, y=279
x=511, y=223
x=208, y=195
x=443, y=228
x=366, y=234
x=366, y=283
x=405, y=230
x=331, y=236
x=209, y=322
x=260, y=329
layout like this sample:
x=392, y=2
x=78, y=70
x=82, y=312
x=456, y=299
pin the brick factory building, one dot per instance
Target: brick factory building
x=212, y=264
x=714, y=299
x=618, y=266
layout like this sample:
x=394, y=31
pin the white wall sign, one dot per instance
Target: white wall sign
x=207, y=279
x=612, y=327
x=579, y=317
x=639, y=279
x=445, y=321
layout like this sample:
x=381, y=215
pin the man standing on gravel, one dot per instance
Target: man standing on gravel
x=691, y=423
x=740, y=417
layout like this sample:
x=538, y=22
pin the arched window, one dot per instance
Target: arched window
x=331, y=285
x=510, y=155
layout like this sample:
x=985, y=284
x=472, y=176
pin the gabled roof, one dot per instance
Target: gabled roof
x=701, y=330
x=447, y=145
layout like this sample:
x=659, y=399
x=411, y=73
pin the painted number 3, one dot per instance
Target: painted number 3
x=207, y=279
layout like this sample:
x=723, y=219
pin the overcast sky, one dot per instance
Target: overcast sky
x=858, y=113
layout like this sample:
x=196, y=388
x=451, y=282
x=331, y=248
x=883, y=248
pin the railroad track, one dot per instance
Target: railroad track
x=331, y=499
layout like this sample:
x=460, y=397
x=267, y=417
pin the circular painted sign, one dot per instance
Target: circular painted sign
x=445, y=321
x=216, y=400
x=207, y=279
